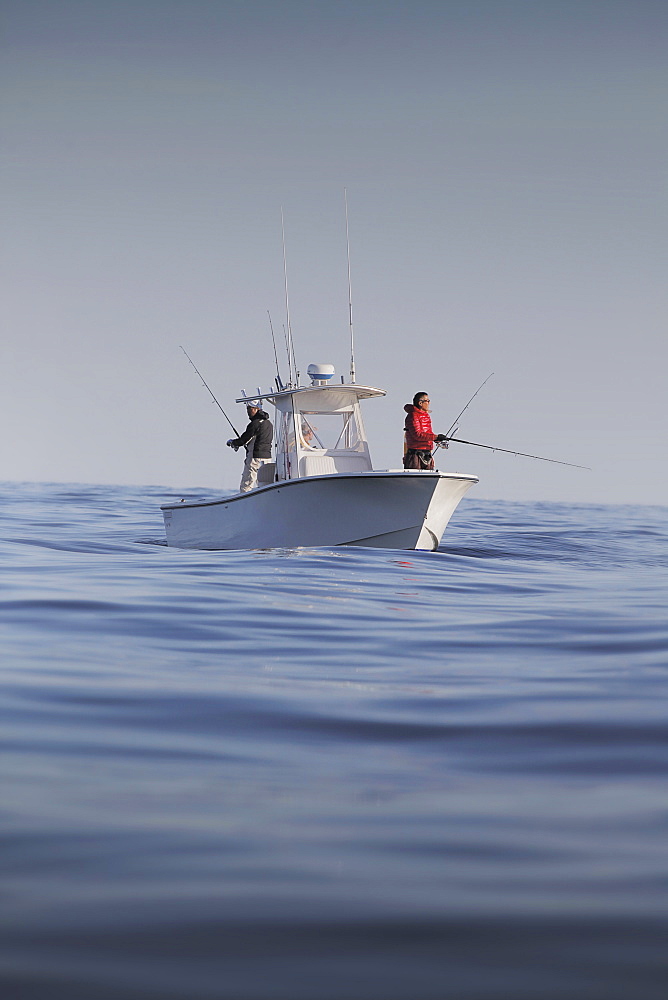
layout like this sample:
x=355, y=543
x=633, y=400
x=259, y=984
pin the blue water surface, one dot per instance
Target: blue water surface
x=333, y=774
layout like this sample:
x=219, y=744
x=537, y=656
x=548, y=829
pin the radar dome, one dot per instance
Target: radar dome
x=320, y=374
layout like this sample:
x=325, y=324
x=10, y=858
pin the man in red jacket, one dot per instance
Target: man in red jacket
x=419, y=435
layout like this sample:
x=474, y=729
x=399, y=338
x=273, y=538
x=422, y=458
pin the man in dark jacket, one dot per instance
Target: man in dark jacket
x=256, y=439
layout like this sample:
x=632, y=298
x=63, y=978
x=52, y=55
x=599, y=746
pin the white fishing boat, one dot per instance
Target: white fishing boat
x=322, y=489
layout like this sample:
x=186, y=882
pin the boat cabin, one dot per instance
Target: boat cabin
x=318, y=429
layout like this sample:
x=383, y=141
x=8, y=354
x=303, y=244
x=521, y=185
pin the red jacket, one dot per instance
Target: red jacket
x=419, y=434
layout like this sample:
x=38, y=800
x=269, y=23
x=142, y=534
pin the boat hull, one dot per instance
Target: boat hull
x=396, y=510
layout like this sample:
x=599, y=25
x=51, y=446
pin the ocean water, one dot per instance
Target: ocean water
x=333, y=774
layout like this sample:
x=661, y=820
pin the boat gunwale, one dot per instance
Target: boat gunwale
x=399, y=474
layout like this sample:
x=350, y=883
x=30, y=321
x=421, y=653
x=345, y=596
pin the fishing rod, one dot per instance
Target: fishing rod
x=453, y=425
x=209, y=390
x=509, y=452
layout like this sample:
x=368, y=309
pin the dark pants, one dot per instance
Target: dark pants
x=418, y=459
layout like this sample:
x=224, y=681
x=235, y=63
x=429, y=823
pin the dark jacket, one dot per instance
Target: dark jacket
x=419, y=435
x=261, y=429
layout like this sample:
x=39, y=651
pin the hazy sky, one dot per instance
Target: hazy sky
x=505, y=167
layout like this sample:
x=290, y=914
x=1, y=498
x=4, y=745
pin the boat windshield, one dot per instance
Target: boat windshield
x=329, y=431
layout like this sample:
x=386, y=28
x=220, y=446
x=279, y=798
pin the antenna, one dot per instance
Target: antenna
x=292, y=365
x=350, y=298
x=273, y=340
x=287, y=350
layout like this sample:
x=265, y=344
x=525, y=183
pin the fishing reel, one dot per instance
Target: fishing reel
x=443, y=440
